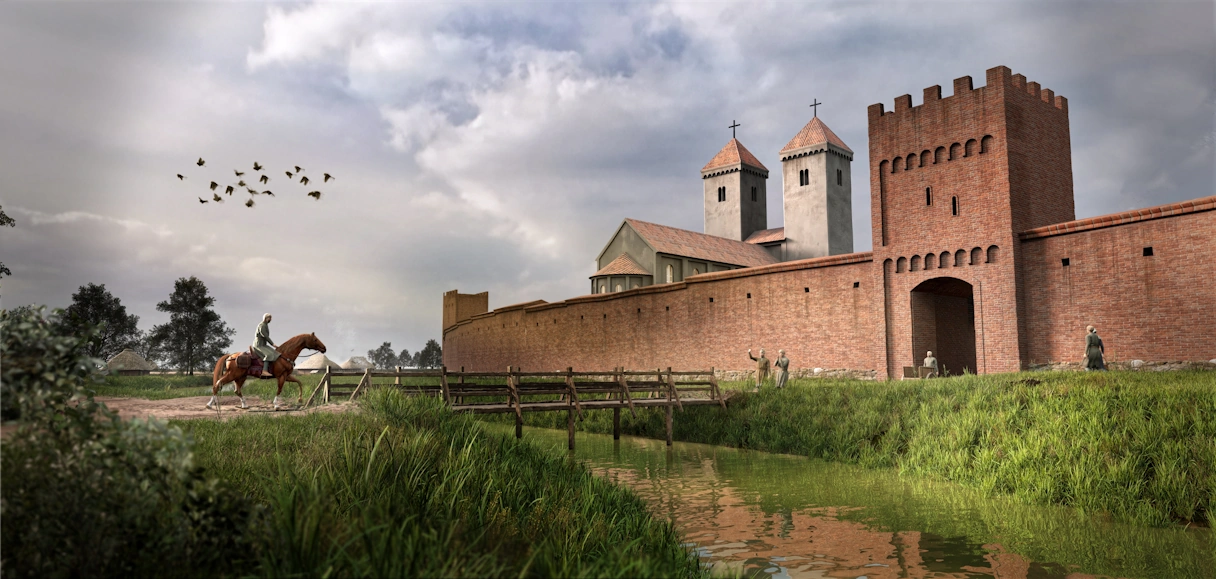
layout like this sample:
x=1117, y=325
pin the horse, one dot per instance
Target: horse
x=226, y=369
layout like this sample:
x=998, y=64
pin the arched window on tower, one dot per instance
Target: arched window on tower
x=721, y=194
x=839, y=177
x=671, y=274
x=603, y=288
x=618, y=287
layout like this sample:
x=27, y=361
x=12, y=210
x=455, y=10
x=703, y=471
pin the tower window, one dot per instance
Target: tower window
x=721, y=194
x=1064, y=262
x=753, y=193
x=954, y=205
x=804, y=177
x=671, y=274
x=856, y=284
x=928, y=196
x=1148, y=251
x=839, y=177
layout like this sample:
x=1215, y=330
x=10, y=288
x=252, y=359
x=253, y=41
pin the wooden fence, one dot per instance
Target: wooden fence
x=516, y=392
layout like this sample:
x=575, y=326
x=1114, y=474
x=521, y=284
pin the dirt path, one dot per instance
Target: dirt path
x=196, y=407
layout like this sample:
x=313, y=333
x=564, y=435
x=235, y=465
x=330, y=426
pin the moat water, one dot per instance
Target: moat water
x=788, y=516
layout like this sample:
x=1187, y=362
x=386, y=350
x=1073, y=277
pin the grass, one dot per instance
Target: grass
x=166, y=386
x=1138, y=445
x=407, y=489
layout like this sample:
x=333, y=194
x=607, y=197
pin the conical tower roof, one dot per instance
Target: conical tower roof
x=734, y=153
x=815, y=133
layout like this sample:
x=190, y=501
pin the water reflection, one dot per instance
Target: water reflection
x=786, y=516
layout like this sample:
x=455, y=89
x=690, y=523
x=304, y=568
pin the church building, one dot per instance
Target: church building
x=818, y=217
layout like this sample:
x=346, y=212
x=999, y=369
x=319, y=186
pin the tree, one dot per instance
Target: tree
x=405, y=359
x=195, y=336
x=431, y=355
x=94, y=306
x=149, y=347
x=383, y=357
x=5, y=221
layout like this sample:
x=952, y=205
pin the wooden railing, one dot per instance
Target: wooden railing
x=516, y=392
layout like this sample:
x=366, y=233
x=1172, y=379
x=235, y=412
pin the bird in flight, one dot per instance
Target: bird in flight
x=288, y=174
x=249, y=203
x=201, y=200
x=328, y=177
x=315, y=195
x=267, y=192
x=264, y=178
x=298, y=169
x=251, y=190
x=214, y=185
x=181, y=177
x=201, y=162
x=304, y=180
x=238, y=173
x=256, y=166
x=240, y=183
x=216, y=197
x=229, y=190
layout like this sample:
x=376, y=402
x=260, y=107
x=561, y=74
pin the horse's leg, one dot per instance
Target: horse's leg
x=292, y=378
x=221, y=377
x=240, y=383
x=282, y=378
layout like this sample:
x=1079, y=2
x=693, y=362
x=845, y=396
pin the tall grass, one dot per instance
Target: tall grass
x=408, y=489
x=1138, y=445
x=163, y=387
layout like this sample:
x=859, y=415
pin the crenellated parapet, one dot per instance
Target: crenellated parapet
x=999, y=78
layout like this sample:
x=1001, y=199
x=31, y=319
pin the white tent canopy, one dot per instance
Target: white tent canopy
x=316, y=362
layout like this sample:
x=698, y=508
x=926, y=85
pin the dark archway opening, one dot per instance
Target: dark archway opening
x=943, y=321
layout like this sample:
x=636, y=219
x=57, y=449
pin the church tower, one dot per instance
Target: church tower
x=818, y=193
x=734, y=193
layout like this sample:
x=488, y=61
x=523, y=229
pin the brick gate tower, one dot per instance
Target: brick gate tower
x=952, y=182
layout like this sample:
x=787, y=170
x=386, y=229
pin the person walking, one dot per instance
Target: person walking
x=1095, y=351
x=264, y=346
x=931, y=362
x=783, y=369
x=762, y=366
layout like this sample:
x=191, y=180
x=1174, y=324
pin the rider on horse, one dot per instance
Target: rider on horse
x=264, y=346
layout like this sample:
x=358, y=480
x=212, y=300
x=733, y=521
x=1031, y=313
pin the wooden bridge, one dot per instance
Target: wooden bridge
x=516, y=392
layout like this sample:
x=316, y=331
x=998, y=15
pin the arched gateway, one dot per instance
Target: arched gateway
x=943, y=321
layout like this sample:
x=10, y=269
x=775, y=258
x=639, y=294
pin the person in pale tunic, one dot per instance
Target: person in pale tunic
x=264, y=346
x=930, y=362
x=783, y=369
x=762, y=366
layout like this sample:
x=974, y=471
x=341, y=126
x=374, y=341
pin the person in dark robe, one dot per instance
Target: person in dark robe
x=1095, y=352
x=762, y=366
x=783, y=369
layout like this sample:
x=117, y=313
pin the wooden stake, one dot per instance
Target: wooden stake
x=519, y=427
x=616, y=423
x=570, y=427
x=668, y=424
x=443, y=384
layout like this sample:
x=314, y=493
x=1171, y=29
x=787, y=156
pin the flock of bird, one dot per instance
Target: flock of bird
x=263, y=178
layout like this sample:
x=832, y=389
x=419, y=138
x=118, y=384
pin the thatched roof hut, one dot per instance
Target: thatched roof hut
x=129, y=363
x=316, y=363
x=357, y=363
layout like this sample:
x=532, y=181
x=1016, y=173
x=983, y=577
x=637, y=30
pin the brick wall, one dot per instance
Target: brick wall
x=810, y=308
x=1154, y=308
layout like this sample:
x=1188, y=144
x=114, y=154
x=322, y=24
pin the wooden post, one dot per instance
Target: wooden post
x=519, y=426
x=713, y=380
x=397, y=378
x=570, y=426
x=320, y=387
x=460, y=399
x=668, y=423
x=671, y=389
x=325, y=394
x=443, y=384
x=366, y=380
x=616, y=423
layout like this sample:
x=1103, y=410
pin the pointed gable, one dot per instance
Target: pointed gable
x=815, y=133
x=734, y=153
x=622, y=265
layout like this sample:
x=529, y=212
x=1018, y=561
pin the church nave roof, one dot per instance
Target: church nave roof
x=622, y=265
x=685, y=243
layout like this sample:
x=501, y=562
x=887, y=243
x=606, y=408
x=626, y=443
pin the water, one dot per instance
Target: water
x=789, y=517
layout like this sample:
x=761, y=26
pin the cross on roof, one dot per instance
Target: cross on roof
x=814, y=107
x=732, y=128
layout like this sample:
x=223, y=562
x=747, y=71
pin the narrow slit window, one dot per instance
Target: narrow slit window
x=711, y=300
x=856, y=284
x=1064, y=262
x=928, y=196
x=753, y=193
x=1148, y=251
x=806, y=290
x=954, y=205
x=839, y=177
x=749, y=296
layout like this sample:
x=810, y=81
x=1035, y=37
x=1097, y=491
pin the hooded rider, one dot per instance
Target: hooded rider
x=264, y=346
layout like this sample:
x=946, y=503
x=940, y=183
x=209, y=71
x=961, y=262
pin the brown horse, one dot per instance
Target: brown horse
x=227, y=371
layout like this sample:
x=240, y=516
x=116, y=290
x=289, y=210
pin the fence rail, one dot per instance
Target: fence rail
x=505, y=392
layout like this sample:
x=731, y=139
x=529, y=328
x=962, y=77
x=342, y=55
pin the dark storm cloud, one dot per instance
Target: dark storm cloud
x=497, y=146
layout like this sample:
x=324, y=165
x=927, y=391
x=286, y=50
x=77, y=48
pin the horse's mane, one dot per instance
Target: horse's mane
x=292, y=343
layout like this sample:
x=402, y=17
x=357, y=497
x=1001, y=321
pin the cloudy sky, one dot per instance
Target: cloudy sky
x=495, y=146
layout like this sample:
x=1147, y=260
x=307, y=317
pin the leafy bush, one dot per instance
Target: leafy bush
x=86, y=494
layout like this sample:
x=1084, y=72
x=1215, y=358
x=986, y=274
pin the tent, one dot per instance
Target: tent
x=357, y=363
x=316, y=363
x=129, y=363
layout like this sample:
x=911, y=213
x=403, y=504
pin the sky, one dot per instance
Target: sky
x=497, y=146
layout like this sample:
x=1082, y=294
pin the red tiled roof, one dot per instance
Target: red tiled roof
x=685, y=243
x=1192, y=206
x=622, y=265
x=733, y=153
x=815, y=133
x=766, y=236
